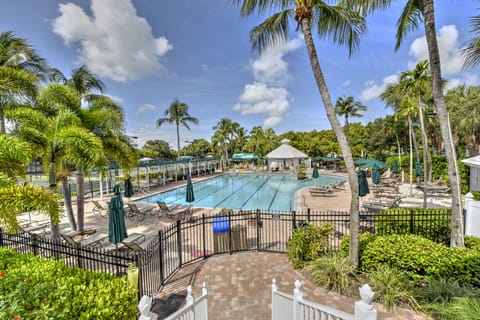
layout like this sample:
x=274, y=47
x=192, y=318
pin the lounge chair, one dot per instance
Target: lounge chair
x=164, y=208
x=99, y=209
x=134, y=246
x=321, y=190
x=138, y=212
x=94, y=240
x=180, y=213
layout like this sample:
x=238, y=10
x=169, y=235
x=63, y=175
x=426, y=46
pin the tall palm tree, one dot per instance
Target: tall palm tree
x=472, y=51
x=58, y=140
x=348, y=107
x=224, y=135
x=339, y=23
x=414, y=14
x=177, y=113
x=21, y=68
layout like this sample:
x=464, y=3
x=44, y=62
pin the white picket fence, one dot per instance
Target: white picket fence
x=294, y=307
x=195, y=309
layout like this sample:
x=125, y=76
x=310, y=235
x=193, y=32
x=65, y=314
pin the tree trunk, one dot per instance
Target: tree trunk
x=444, y=120
x=80, y=199
x=67, y=198
x=2, y=121
x=178, y=140
x=425, y=154
x=55, y=228
x=344, y=146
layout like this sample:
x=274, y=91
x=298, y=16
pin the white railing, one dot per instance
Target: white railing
x=294, y=307
x=195, y=309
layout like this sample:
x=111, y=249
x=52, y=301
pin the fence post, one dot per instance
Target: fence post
x=297, y=295
x=308, y=215
x=179, y=243
x=140, y=292
x=204, y=236
x=363, y=309
x=161, y=251
x=274, y=306
x=411, y=224
x=257, y=218
x=294, y=222
x=189, y=299
x=230, y=240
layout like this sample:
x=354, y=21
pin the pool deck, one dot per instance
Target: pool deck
x=239, y=284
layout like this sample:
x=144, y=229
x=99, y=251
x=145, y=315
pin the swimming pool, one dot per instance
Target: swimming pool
x=273, y=192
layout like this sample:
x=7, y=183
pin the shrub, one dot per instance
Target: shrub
x=392, y=287
x=308, y=243
x=333, y=273
x=437, y=290
x=363, y=240
x=459, y=308
x=472, y=242
x=35, y=288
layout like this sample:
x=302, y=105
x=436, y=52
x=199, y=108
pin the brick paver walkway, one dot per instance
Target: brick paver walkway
x=239, y=288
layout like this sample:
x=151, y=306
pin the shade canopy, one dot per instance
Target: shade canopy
x=286, y=151
x=243, y=156
x=363, y=188
x=116, y=217
x=190, y=196
x=418, y=169
x=370, y=162
x=376, y=176
x=128, y=188
x=395, y=167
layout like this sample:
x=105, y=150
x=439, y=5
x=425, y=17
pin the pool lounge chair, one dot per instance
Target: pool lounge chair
x=99, y=209
x=94, y=240
x=135, y=211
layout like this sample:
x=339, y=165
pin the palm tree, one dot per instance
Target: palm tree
x=413, y=15
x=472, y=51
x=58, y=140
x=348, y=107
x=20, y=71
x=223, y=136
x=339, y=23
x=177, y=113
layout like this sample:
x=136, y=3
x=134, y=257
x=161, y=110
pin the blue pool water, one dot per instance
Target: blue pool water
x=274, y=192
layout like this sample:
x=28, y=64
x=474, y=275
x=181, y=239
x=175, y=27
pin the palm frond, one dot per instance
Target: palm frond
x=472, y=51
x=410, y=19
x=270, y=32
x=249, y=6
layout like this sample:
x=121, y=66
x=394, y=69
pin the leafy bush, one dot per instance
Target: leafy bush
x=363, y=240
x=392, y=287
x=332, y=272
x=472, y=242
x=35, y=288
x=308, y=243
x=441, y=290
x=420, y=258
x=433, y=224
x=459, y=308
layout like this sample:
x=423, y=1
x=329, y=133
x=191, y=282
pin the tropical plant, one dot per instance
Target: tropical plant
x=177, y=113
x=333, y=273
x=415, y=13
x=21, y=68
x=348, y=107
x=344, y=26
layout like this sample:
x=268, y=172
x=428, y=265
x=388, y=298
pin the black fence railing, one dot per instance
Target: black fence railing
x=187, y=241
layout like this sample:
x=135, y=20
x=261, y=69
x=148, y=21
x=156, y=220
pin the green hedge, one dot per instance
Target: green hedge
x=420, y=258
x=433, y=224
x=35, y=288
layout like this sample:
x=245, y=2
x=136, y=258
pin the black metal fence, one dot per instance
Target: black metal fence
x=231, y=231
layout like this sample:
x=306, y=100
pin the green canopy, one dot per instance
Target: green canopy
x=243, y=156
x=116, y=217
x=190, y=196
x=395, y=167
x=376, y=176
x=418, y=169
x=128, y=188
x=369, y=163
x=362, y=184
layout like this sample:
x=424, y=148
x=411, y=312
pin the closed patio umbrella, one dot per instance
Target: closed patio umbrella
x=190, y=196
x=376, y=177
x=315, y=174
x=395, y=167
x=128, y=188
x=116, y=221
x=363, y=188
x=418, y=169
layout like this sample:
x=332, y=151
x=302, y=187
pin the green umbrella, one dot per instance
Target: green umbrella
x=376, y=177
x=418, y=169
x=395, y=166
x=128, y=188
x=362, y=184
x=370, y=163
x=116, y=221
x=190, y=196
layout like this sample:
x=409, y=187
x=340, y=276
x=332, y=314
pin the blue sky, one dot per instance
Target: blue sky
x=150, y=52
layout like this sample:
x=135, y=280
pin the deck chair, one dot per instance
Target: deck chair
x=134, y=246
x=135, y=211
x=99, y=209
x=164, y=208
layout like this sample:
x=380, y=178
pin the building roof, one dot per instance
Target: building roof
x=472, y=162
x=286, y=151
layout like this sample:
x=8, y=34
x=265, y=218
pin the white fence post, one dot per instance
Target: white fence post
x=297, y=294
x=274, y=289
x=189, y=299
x=363, y=309
x=472, y=216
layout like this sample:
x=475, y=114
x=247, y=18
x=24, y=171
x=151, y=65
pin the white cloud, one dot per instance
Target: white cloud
x=271, y=68
x=450, y=57
x=346, y=83
x=267, y=94
x=373, y=90
x=258, y=98
x=114, y=41
x=146, y=107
